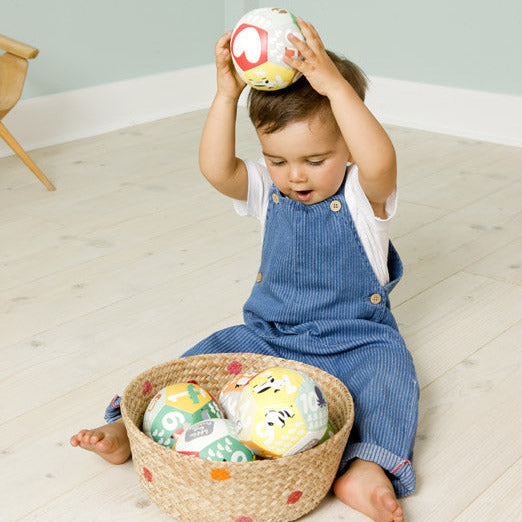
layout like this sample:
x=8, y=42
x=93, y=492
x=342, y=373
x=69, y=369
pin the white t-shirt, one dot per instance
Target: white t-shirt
x=373, y=231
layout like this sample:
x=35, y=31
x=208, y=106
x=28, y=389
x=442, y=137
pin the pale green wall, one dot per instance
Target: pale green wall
x=463, y=43
x=473, y=44
x=91, y=42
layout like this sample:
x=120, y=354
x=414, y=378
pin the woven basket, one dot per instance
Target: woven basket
x=192, y=489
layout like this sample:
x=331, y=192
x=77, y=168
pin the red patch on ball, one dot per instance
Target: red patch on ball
x=235, y=368
x=147, y=388
x=294, y=497
x=147, y=474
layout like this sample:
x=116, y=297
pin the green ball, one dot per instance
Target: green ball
x=175, y=408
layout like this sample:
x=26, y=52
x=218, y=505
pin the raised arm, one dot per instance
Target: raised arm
x=217, y=150
x=370, y=147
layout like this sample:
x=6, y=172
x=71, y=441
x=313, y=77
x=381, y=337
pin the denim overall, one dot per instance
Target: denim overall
x=317, y=300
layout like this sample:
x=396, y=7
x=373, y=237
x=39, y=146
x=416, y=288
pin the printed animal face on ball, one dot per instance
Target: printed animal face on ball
x=231, y=392
x=281, y=412
x=213, y=439
x=258, y=44
x=175, y=408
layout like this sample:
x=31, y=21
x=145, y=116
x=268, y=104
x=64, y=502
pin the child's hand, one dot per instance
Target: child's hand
x=315, y=64
x=229, y=83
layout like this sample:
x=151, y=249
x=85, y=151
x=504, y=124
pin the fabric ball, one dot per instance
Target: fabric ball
x=281, y=412
x=213, y=439
x=258, y=44
x=176, y=407
x=230, y=393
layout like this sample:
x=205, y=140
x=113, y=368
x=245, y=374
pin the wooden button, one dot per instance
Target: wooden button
x=335, y=206
x=275, y=198
x=259, y=277
x=375, y=299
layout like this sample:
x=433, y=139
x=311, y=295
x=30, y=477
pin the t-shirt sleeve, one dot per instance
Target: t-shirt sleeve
x=374, y=232
x=259, y=183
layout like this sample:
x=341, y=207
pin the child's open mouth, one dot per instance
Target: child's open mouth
x=303, y=195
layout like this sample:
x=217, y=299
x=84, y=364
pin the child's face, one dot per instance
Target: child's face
x=306, y=159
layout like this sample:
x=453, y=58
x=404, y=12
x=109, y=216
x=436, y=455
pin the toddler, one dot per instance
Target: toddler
x=324, y=194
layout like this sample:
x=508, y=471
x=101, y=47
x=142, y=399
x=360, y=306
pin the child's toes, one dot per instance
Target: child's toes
x=105, y=445
x=77, y=438
x=390, y=503
x=94, y=437
x=86, y=438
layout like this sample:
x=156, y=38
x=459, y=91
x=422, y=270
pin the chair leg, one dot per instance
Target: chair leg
x=9, y=139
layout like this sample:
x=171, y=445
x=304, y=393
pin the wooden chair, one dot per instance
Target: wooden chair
x=13, y=68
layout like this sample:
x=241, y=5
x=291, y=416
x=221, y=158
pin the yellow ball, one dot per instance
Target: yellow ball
x=281, y=412
x=329, y=433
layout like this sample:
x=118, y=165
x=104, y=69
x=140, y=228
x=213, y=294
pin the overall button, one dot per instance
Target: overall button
x=375, y=299
x=335, y=206
x=275, y=198
x=259, y=277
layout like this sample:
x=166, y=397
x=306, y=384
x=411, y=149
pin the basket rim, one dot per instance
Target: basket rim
x=142, y=438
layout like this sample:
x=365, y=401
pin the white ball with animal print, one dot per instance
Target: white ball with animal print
x=281, y=412
x=231, y=392
x=258, y=44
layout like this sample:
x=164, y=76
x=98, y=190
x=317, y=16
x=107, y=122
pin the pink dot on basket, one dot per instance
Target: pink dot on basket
x=234, y=368
x=294, y=497
x=244, y=519
x=147, y=388
x=147, y=474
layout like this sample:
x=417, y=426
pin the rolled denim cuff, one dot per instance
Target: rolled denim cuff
x=113, y=412
x=401, y=472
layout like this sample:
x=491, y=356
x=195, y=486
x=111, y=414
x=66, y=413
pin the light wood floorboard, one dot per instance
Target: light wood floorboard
x=135, y=258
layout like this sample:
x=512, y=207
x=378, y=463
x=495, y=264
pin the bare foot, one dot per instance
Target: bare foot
x=109, y=442
x=366, y=488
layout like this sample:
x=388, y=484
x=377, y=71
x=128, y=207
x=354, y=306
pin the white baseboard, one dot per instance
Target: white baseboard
x=478, y=115
x=58, y=118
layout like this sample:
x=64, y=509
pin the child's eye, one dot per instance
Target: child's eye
x=276, y=163
x=315, y=163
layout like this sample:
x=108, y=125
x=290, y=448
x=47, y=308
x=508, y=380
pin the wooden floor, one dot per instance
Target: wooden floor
x=135, y=258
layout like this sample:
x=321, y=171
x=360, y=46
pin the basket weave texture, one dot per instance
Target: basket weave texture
x=192, y=489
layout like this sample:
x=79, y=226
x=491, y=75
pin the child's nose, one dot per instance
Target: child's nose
x=296, y=174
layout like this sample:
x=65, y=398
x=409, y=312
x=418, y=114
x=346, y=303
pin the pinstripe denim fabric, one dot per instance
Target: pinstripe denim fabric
x=313, y=303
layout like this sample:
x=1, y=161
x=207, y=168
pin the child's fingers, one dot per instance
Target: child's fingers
x=296, y=63
x=223, y=43
x=222, y=58
x=311, y=35
x=301, y=46
x=315, y=36
x=222, y=50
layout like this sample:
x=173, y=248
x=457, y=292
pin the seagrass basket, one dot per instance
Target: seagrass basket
x=196, y=490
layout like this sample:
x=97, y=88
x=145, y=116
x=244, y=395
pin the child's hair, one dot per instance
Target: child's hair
x=273, y=110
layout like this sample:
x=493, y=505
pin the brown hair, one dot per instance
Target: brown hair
x=273, y=110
